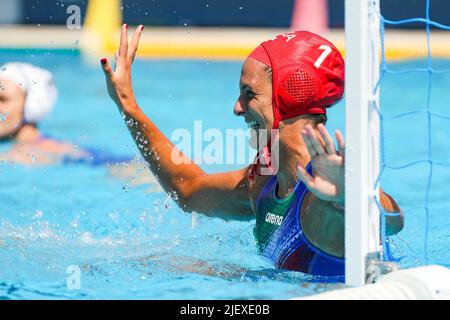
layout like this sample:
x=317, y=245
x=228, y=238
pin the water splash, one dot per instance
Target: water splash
x=4, y=116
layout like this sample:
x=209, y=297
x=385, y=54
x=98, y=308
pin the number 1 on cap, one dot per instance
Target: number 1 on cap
x=326, y=51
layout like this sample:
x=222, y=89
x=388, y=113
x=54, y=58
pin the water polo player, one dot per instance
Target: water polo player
x=27, y=96
x=286, y=84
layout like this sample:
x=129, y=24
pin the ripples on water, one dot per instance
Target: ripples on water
x=130, y=243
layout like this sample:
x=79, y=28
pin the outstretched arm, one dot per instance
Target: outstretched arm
x=224, y=195
x=328, y=180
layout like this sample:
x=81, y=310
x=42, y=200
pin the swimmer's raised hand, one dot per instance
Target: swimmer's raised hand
x=118, y=80
x=328, y=179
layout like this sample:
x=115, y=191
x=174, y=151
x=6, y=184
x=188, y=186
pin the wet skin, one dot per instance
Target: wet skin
x=232, y=195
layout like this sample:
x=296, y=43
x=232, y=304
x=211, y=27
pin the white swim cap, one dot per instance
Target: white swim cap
x=38, y=85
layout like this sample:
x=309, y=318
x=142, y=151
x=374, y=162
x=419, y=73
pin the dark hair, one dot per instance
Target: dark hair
x=314, y=118
x=317, y=118
x=268, y=70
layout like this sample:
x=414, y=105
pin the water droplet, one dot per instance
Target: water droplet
x=38, y=214
x=3, y=117
x=74, y=223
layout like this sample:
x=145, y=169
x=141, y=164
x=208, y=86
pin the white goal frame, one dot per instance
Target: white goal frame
x=362, y=216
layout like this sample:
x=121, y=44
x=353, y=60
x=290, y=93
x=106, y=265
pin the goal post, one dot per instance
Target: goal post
x=362, y=216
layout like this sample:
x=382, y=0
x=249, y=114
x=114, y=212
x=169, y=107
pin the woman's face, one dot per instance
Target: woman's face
x=255, y=100
x=12, y=100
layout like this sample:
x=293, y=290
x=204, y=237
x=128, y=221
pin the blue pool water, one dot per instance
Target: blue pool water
x=132, y=243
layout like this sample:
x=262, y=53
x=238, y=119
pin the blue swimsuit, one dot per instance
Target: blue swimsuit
x=281, y=239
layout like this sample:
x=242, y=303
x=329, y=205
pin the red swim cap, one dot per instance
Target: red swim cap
x=307, y=72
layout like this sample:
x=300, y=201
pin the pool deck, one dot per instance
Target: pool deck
x=205, y=43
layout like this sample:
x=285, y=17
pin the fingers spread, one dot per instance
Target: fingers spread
x=329, y=144
x=135, y=43
x=123, y=49
x=341, y=142
x=106, y=67
x=314, y=140
x=312, y=152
